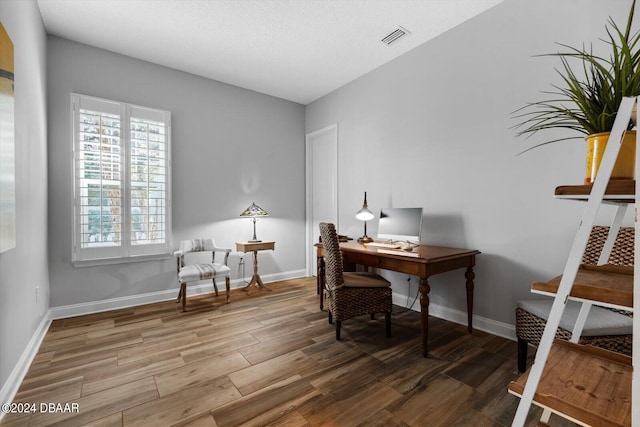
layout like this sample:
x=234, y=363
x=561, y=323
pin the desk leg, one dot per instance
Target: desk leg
x=470, y=275
x=424, y=289
x=255, y=280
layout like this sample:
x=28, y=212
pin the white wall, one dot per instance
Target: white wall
x=432, y=129
x=230, y=147
x=24, y=268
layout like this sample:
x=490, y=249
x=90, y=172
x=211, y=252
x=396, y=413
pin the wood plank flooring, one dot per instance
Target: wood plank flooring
x=269, y=359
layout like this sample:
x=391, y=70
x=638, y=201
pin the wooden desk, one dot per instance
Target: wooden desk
x=431, y=260
x=255, y=247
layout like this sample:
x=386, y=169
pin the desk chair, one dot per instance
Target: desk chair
x=607, y=328
x=201, y=271
x=351, y=294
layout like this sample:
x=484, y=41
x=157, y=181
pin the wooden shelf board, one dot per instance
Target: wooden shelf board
x=608, y=284
x=584, y=383
x=621, y=191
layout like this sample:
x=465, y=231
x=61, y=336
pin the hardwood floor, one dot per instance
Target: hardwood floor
x=270, y=359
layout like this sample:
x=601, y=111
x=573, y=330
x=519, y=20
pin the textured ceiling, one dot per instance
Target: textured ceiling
x=298, y=50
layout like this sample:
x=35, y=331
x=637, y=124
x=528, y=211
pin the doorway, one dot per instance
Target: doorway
x=322, y=186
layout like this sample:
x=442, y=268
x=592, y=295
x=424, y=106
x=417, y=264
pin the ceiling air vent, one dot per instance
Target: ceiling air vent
x=395, y=35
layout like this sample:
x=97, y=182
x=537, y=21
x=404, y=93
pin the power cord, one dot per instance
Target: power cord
x=241, y=267
x=408, y=306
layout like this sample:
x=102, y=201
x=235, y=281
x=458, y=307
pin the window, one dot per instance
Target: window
x=122, y=204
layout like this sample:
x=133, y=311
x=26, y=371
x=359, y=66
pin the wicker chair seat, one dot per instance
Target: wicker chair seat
x=364, y=280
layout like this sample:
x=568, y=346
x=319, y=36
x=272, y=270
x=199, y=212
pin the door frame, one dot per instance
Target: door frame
x=309, y=139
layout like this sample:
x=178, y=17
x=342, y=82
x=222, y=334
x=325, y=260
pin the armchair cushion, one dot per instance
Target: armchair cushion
x=202, y=271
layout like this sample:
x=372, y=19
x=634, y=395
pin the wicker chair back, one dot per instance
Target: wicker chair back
x=333, y=257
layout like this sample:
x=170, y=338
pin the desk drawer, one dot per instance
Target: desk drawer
x=403, y=265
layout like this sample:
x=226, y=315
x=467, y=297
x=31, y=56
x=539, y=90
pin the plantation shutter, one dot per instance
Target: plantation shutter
x=121, y=180
x=149, y=175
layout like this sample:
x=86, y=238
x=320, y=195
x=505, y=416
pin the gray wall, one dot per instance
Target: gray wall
x=24, y=268
x=230, y=147
x=432, y=129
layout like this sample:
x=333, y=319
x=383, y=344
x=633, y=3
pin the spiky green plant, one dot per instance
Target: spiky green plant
x=588, y=101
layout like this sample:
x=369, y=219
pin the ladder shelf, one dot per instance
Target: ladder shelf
x=588, y=385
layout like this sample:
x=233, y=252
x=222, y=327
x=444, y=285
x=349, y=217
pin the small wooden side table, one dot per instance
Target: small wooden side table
x=255, y=247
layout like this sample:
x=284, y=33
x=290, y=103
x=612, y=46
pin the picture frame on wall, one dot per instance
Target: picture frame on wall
x=7, y=145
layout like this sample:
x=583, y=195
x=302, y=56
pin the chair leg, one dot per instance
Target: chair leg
x=330, y=318
x=215, y=286
x=338, y=325
x=183, y=291
x=522, y=354
x=387, y=321
x=373, y=316
x=228, y=286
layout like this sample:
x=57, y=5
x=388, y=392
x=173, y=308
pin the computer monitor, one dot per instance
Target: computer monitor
x=400, y=224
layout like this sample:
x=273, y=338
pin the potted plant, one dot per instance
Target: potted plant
x=588, y=101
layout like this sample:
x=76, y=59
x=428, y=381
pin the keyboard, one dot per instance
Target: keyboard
x=384, y=245
x=401, y=253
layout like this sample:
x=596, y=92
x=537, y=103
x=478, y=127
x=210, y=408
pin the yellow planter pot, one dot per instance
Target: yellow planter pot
x=625, y=164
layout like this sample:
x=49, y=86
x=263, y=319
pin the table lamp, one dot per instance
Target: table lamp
x=254, y=211
x=365, y=215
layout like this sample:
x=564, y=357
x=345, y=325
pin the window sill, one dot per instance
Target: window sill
x=110, y=261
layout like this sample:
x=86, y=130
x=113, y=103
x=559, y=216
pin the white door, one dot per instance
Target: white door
x=322, y=186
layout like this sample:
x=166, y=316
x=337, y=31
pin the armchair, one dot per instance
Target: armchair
x=201, y=271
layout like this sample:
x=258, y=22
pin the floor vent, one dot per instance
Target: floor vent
x=395, y=35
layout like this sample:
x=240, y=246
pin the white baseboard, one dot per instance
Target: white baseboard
x=11, y=386
x=491, y=326
x=81, y=309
